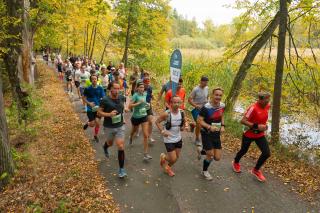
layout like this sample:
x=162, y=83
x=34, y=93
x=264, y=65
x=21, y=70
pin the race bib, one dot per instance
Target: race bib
x=116, y=119
x=143, y=111
x=95, y=108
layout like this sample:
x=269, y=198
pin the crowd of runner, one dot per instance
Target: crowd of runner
x=108, y=92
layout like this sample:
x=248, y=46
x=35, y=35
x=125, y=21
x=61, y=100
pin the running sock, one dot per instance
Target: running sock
x=206, y=164
x=96, y=130
x=121, y=158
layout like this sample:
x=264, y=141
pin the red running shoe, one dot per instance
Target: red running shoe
x=258, y=175
x=236, y=167
x=169, y=171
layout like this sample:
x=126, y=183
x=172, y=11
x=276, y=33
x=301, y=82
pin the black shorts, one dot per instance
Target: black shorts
x=59, y=67
x=68, y=78
x=170, y=147
x=138, y=121
x=210, y=140
x=92, y=115
x=77, y=84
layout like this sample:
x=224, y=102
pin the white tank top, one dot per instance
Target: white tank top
x=174, y=132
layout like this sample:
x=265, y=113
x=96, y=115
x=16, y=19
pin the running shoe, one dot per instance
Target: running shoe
x=85, y=126
x=236, y=167
x=169, y=171
x=152, y=140
x=122, y=173
x=146, y=156
x=206, y=175
x=106, y=152
x=162, y=159
x=96, y=139
x=130, y=141
x=197, y=142
x=258, y=175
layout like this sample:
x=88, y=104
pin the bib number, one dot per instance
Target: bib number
x=116, y=119
x=143, y=111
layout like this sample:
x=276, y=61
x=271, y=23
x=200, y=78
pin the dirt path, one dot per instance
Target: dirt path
x=148, y=189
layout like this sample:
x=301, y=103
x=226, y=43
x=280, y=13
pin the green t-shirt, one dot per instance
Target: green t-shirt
x=139, y=111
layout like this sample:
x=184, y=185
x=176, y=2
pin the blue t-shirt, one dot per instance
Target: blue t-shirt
x=94, y=94
x=148, y=90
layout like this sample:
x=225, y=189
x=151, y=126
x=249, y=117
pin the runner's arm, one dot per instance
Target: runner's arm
x=160, y=119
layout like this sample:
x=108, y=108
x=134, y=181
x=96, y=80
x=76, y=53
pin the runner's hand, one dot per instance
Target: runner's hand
x=92, y=104
x=222, y=129
x=214, y=129
x=262, y=127
x=165, y=133
x=113, y=113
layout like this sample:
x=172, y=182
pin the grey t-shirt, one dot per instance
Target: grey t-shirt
x=199, y=95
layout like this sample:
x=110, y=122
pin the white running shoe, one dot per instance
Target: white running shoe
x=146, y=156
x=206, y=175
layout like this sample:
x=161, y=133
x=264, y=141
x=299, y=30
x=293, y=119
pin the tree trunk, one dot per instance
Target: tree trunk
x=279, y=72
x=247, y=62
x=127, y=42
x=94, y=40
x=91, y=37
x=12, y=57
x=6, y=161
x=86, y=40
x=104, y=49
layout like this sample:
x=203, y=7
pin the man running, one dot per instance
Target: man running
x=212, y=122
x=112, y=109
x=181, y=92
x=148, y=89
x=83, y=76
x=92, y=96
x=255, y=119
x=77, y=73
x=171, y=132
x=198, y=98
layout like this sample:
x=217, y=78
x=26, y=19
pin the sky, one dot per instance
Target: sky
x=206, y=9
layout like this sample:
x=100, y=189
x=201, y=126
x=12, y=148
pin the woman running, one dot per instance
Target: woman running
x=211, y=122
x=140, y=117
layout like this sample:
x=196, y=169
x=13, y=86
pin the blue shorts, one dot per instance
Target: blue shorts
x=195, y=112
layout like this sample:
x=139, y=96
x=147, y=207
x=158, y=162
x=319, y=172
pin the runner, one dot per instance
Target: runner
x=84, y=76
x=110, y=65
x=122, y=71
x=164, y=89
x=181, y=92
x=121, y=82
x=171, y=132
x=148, y=89
x=77, y=73
x=67, y=67
x=112, y=109
x=92, y=96
x=198, y=98
x=212, y=122
x=255, y=119
x=104, y=77
x=140, y=117
x=59, y=66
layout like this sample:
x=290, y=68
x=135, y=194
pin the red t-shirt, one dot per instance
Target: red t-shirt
x=181, y=93
x=256, y=114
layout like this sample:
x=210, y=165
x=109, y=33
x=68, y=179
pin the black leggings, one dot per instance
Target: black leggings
x=263, y=145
